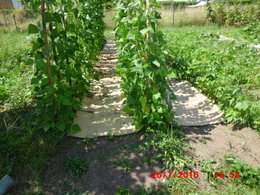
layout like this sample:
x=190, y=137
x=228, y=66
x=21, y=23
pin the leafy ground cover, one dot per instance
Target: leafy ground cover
x=227, y=71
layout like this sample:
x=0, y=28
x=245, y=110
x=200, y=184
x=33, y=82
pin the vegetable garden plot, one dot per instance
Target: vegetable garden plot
x=102, y=113
x=227, y=71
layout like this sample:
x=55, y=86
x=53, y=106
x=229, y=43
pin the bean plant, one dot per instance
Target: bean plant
x=142, y=64
x=68, y=41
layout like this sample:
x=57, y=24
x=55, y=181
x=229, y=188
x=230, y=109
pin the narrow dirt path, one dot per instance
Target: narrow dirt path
x=102, y=114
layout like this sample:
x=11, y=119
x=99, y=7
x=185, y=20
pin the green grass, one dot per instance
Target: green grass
x=230, y=31
x=15, y=75
x=227, y=71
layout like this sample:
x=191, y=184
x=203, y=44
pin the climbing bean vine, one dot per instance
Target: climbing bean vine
x=142, y=64
x=68, y=41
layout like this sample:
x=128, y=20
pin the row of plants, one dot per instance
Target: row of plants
x=68, y=42
x=143, y=68
x=227, y=71
x=245, y=16
x=142, y=64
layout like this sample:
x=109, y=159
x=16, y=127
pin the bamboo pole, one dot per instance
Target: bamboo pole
x=46, y=44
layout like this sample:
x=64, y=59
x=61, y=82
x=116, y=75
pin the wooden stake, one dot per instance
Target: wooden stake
x=172, y=13
x=15, y=23
x=148, y=3
x=5, y=18
x=46, y=44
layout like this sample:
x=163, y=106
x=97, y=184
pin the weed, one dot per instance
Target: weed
x=124, y=163
x=103, y=156
x=246, y=148
x=230, y=145
x=168, y=147
x=117, y=151
x=76, y=165
x=133, y=147
x=123, y=191
x=203, y=140
x=87, y=140
x=249, y=175
x=110, y=135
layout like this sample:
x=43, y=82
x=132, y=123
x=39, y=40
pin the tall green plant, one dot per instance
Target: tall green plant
x=68, y=41
x=211, y=17
x=142, y=64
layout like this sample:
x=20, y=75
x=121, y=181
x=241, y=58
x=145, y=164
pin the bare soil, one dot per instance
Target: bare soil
x=214, y=141
x=102, y=177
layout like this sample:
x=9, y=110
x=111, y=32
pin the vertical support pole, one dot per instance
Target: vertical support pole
x=46, y=45
x=173, y=13
x=148, y=4
x=148, y=38
x=4, y=13
x=15, y=23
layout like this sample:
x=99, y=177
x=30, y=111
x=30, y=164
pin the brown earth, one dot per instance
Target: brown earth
x=214, y=141
x=102, y=176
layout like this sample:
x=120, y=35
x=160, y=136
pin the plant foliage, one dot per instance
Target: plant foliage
x=142, y=64
x=227, y=71
x=75, y=36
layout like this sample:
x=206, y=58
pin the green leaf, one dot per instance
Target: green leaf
x=29, y=61
x=73, y=115
x=242, y=105
x=173, y=97
x=61, y=126
x=74, y=128
x=146, y=30
x=35, y=80
x=40, y=64
x=66, y=102
x=172, y=74
x=130, y=35
x=155, y=62
x=32, y=29
x=47, y=127
x=156, y=96
x=138, y=125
